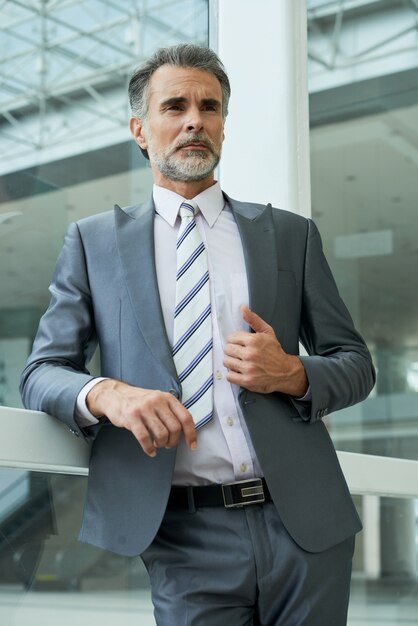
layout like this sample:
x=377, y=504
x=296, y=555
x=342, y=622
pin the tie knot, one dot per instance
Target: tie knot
x=188, y=209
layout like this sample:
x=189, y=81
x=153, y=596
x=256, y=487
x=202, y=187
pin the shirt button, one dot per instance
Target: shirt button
x=243, y=467
x=218, y=375
x=230, y=421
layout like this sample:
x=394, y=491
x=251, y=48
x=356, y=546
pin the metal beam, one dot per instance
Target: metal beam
x=321, y=23
x=329, y=9
x=97, y=57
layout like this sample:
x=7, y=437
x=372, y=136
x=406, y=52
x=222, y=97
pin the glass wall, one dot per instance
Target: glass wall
x=66, y=151
x=364, y=188
x=364, y=158
x=384, y=587
x=46, y=576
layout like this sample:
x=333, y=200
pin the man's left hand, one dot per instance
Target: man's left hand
x=257, y=361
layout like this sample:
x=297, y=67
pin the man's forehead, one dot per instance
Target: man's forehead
x=171, y=80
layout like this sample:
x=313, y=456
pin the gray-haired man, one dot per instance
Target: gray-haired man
x=247, y=519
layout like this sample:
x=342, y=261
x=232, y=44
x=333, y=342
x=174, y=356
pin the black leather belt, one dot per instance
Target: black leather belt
x=229, y=495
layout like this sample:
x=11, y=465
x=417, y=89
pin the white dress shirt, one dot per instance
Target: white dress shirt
x=225, y=452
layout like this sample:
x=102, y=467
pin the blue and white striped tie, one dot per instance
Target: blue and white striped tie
x=192, y=343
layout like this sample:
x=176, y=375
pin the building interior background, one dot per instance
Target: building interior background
x=66, y=153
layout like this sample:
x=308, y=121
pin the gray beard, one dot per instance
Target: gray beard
x=196, y=166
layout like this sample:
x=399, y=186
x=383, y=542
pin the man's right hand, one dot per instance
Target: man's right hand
x=156, y=418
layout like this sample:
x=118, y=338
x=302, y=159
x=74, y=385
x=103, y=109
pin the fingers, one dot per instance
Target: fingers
x=255, y=321
x=163, y=423
x=240, y=371
x=153, y=432
x=235, y=350
x=155, y=418
x=237, y=378
x=143, y=435
x=242, y=349
x=255, y=361
x=186, y=421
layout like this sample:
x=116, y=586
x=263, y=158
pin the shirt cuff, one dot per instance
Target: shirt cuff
x=303, y=405
x=83, y=417
x=306, y=398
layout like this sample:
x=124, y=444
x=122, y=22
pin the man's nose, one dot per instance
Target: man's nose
x=194, y=121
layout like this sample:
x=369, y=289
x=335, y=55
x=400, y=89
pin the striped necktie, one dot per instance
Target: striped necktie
x=192, y=338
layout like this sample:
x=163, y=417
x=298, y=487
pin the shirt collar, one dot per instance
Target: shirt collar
x=167, y=203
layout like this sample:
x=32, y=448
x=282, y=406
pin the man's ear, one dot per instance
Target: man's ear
x=137, y=129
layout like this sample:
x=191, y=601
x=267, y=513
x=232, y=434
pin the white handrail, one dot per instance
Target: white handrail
x=368, y=474
x=35, y=441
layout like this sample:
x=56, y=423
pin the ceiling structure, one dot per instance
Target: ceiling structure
x=351, y=40
x=65, y=64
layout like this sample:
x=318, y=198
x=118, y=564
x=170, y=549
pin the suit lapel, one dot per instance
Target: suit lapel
x=258, y=240
x=135, y=240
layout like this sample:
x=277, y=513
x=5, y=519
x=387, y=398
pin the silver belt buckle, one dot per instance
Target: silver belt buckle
x=239, y=494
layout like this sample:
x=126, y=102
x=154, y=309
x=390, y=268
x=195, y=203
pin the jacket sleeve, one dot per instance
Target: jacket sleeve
x=339, y=366
x=56, y=370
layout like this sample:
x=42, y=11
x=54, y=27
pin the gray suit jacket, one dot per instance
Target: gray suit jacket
x=105, y=290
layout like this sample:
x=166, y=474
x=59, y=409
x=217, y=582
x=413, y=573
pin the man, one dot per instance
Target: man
x=194, y=399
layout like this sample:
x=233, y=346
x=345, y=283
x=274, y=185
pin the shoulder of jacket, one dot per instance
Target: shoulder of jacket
x=106, y=219
x=279, y=214
x=94, y=221
x=285, y=215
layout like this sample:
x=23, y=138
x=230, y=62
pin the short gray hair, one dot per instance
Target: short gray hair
x=181, y=55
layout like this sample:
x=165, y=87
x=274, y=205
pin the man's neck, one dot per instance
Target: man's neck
x=185, y=189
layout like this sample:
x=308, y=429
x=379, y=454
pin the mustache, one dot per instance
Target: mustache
x=196, y=138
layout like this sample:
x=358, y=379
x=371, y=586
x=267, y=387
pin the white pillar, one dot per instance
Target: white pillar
x=263, y=45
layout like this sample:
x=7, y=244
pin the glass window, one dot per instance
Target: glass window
x=364, y=156
x=66, y=151
x=383, y=586
x=46, y=575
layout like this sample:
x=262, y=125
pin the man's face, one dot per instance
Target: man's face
x=183, y=132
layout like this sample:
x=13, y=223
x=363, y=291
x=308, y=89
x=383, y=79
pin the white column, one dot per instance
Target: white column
x=263, y=45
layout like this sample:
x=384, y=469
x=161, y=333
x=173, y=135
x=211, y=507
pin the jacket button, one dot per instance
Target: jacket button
x=174, y=393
